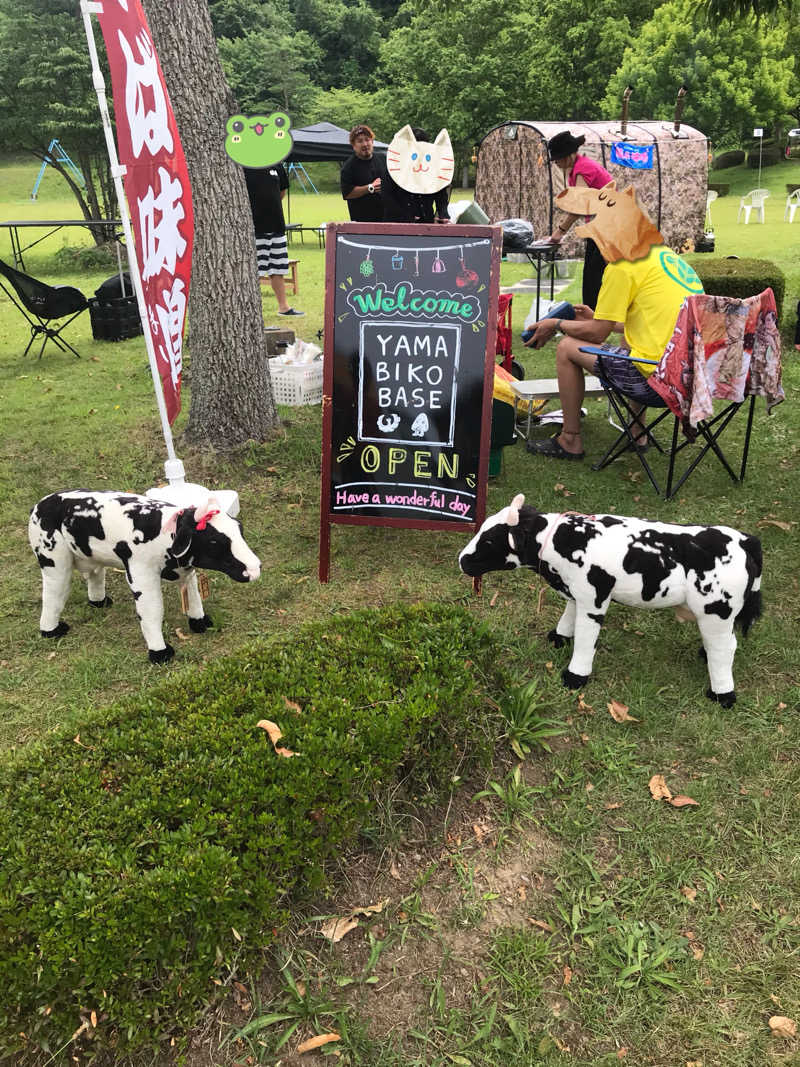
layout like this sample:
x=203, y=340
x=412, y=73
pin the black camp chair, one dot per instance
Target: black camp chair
x=637, y=423
x=42, y=305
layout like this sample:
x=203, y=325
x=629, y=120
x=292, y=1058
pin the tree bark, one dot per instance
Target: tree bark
x=231, y=395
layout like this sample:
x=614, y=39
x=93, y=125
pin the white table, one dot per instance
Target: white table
x=544, y=389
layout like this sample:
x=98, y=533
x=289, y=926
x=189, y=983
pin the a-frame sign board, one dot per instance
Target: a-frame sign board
x=410, y=329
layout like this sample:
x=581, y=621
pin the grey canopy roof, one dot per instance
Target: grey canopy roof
x=322, y=143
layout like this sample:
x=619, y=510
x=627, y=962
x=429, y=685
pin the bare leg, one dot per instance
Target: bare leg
x=278, y=283
x=570, y=365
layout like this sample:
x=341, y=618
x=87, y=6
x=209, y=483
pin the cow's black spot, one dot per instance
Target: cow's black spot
x=211, y=549
x=146, y=520
x=77, y=517
x=596, y=617
x=602, y=582
x=556, y=639
x=609, y=521
x=170, y=571
x=654, y=555
x=123, y=552
x=44, y=561
x=572, y=538
x=718, y=607
x=554, y=579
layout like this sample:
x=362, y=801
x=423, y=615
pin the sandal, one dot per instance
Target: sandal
x=553, y=449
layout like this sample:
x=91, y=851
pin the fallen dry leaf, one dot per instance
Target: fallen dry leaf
x=541, y=924
x=611, y=807
x=619, y=712
x=371, y=909
x=681, y=801
x=775, y=522
x=689, y=892
x=316, y=1042
x=93, y=1018
x=659, y=790
x=540, y=599
x=493, y=601
x=782, y=1027
x=181, y=634
x=290, y=704
x=394, y=871
x=236, y=933
x=274, y=734
x=567, y=974
x=335, y=929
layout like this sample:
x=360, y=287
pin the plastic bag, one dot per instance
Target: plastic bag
x=300, y=352
x=517, y=234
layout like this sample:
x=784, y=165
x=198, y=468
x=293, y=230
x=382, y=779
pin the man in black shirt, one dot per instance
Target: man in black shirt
x=266, y=189
x=361, y=178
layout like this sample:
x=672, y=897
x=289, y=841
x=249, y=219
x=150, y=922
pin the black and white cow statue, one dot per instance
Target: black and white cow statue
x=149, y=539
x=710, y=573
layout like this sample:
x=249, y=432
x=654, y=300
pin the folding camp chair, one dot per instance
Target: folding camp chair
x=721, y=348
x=42, y=305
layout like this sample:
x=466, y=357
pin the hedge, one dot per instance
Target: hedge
x=769, y=155
x=740, y=277
x=734, y=158
x=145, y=853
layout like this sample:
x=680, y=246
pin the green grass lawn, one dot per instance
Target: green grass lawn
x=583, y=918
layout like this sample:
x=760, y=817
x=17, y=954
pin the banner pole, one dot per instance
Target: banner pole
x=173, y=467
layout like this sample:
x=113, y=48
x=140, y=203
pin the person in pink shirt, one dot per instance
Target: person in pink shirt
x=580, y=170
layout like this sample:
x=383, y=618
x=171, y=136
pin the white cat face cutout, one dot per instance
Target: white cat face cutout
x=419, y=166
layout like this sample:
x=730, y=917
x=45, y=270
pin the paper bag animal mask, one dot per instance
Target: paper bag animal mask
x=620, y=228
x=419, y=166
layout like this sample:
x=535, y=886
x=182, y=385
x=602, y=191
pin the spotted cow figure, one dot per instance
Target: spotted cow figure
x=149, y=539
x=709, y=573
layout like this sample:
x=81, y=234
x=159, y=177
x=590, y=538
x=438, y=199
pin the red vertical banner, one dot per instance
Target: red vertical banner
x=156, y=184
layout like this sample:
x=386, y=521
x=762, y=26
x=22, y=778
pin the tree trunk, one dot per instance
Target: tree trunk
x=231, y=396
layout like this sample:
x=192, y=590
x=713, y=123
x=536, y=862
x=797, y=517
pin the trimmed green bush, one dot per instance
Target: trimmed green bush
x=740, y=277
x=771, y=154
x=165, y=841
x=733, y=158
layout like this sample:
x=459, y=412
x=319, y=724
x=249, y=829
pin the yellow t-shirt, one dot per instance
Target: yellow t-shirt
x=646, y=295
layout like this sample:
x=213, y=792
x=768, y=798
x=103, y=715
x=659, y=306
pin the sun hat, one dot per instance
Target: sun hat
x=563, y=144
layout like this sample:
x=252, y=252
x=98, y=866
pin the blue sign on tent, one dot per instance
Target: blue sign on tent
x=635, y=156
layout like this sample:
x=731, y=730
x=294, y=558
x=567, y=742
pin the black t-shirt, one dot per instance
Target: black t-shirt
x=264, y=189
x=357, y=171
x=401, y=206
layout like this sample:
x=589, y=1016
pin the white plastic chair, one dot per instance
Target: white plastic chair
x=752, y=201
x=792, y=204
x=711, y=196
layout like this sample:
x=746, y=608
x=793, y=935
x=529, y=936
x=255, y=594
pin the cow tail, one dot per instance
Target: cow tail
x=751, y=608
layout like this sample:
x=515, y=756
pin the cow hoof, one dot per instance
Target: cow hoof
x=59, y=631
x=106, y=602
x=727, y=700
x=199, y=626
x=557, y=639
x=161, y=655
x=573, y=681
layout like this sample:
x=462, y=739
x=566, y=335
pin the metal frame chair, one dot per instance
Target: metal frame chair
x=42, y=305
x=630, y=412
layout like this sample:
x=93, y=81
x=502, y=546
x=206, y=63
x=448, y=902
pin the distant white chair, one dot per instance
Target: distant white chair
x=711, y=196
x=792, y=204
x=752, y=201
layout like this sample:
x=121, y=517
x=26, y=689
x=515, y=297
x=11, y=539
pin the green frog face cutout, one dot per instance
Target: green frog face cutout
x=258, y=140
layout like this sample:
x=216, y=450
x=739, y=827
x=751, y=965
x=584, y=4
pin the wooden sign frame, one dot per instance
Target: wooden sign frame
x=383, y=238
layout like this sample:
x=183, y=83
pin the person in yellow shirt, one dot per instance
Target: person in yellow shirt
x=640, y=298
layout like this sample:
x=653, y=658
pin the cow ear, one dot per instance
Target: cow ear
x=183, y=534
x=631, y=192
x=610, y=187
x=512, y=515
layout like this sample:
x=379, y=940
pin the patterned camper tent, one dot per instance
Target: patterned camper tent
x=668, y=169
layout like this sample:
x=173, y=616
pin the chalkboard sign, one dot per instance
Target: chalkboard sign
x=410, y=327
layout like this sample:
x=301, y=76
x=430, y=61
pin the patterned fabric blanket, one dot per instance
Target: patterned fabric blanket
x=721, y=348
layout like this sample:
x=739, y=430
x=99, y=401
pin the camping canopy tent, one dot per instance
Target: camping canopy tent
x=323, y=143
x=515, y=179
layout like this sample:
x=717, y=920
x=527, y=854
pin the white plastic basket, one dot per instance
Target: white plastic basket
x=296, y=384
